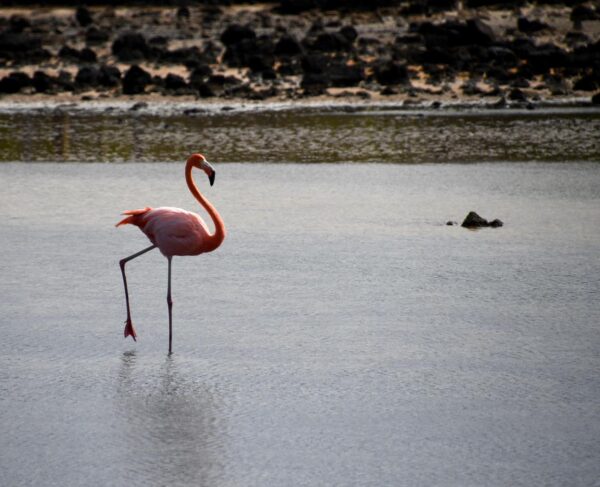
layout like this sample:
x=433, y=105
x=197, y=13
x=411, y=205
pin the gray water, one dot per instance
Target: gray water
x=342, y=334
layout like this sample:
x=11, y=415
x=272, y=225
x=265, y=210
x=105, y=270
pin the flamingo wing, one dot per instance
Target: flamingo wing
x=175, y=231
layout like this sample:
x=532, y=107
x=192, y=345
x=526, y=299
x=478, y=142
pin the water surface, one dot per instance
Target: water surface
x=405, y=136
x=342, y=335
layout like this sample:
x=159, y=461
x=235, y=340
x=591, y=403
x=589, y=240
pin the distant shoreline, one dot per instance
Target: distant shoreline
x=413, y=54
x=165, y=106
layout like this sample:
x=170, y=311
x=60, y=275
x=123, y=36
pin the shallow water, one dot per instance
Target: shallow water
x=342, y=335
x=337, y=135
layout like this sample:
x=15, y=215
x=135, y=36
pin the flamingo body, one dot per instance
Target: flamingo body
x=175, y=232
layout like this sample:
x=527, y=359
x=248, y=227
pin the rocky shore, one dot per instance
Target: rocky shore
x=500, y=53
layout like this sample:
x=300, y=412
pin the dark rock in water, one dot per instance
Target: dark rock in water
x=530, y=26
x=596, y=99
x=473, y=220
x=135, y=80
x=451, y=223
x=83, y=16
x=14, y=82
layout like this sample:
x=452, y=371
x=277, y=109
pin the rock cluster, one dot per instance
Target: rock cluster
x=473, y=220
x=296, y=48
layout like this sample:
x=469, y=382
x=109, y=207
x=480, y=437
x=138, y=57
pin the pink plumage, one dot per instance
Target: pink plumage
x=175, y=232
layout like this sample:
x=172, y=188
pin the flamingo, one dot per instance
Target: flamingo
x=175, y=232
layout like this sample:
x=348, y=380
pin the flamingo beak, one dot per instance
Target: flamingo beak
x=211, y=177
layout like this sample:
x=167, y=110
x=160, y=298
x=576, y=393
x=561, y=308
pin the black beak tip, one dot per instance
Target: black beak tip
x=211, y=178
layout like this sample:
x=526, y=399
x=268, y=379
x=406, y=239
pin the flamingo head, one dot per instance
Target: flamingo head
x=199, y=161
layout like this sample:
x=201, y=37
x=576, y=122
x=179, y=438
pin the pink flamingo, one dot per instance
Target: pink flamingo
x=175, y=232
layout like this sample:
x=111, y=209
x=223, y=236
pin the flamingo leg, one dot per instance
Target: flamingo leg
x=129, y=330
x=170, y=306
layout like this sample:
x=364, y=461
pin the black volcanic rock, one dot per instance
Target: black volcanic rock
x=343, y=75
x=87, y=77
x=109, y=76
x=473, y=220
x=588, y=82
x=87, y=55
x=329, y=42
x=174, y=82
x=67, y=53
x=391, y=73
x=288, y=46
x=250, y=52
x=130, y=46
x=95, y=36
x=18, y=23
x=135, y=80
x=83, y=16
x=42, y=82
x=517, y=95
x=21, y=48
x=583, y=12
x=14, y=82
x=530, y=26
x=453, y=33
x=236, y=33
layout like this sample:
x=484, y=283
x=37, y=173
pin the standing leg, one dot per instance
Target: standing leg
x=129, y=330
x=170, y=305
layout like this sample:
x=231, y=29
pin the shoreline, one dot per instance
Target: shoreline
x=513, y=55
x=174, y=106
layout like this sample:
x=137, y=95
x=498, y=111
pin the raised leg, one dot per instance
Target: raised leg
x=129, y=330
x=170, y=305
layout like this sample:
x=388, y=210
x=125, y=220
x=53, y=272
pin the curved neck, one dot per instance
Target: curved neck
x=216, y=238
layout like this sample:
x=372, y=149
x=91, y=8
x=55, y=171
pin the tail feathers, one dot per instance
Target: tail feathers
x=132, y=218
x=130, y=330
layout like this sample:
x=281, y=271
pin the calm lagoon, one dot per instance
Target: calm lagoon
x=342, y=334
